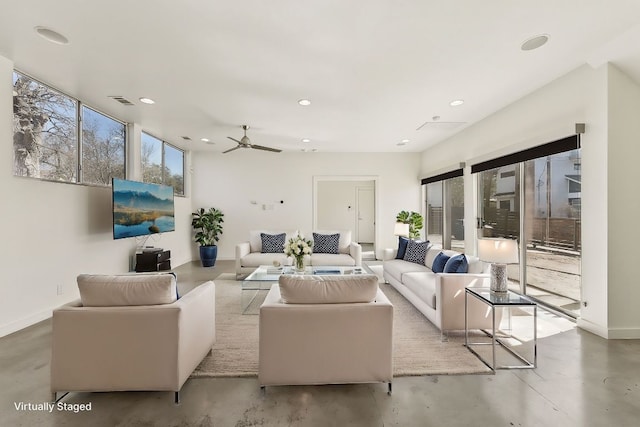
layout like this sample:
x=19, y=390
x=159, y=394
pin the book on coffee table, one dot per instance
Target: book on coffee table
x=326, y=271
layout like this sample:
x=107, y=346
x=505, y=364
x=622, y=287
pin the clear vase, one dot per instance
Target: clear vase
x=299, y=264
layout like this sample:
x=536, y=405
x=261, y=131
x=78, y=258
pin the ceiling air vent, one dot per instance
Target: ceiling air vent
x=122, y=100
x=437, y=125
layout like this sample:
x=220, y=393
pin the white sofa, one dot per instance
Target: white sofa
x=249, y=254
x=325, y=330
x=130, y=332
x=440, y=296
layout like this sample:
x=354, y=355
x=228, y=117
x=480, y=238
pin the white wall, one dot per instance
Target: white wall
x=51, y=232
x=608, y=102
x=623, y=204
x=231, y=181
x=337, y=205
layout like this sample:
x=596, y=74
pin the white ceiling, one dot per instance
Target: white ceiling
x=374, y=70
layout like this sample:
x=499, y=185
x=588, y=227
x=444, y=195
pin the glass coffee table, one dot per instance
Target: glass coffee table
x=257, y=284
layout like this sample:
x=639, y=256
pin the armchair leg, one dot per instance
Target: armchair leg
x=177, y=397
x=390, y=389
x=55, y=398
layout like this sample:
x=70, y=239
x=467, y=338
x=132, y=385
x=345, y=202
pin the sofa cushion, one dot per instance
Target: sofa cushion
x=423, y=284
x=396, y=268
x=344, y=241
x=98, y=290
x=325, y=243
x=332, y=259
x=402, y=247
x=416, y=251
x=255, y=240
x=456, y=264
x=439, y=262
x=299, y=289
x=272, y=243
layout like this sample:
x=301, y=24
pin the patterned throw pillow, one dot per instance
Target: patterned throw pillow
x=416, y=251
x=273, y=243
x=457, y=264
x=326, y=243
x=439, y=262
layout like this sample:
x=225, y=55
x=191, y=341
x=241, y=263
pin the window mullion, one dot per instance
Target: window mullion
x=79, y=137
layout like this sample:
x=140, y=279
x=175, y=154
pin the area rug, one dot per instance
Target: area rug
x=418, y=349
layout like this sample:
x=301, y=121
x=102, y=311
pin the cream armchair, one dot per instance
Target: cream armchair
x=134, y=336
x=325, y=330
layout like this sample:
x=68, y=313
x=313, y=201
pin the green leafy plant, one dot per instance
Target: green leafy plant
x=207, y=225
x=415, y=221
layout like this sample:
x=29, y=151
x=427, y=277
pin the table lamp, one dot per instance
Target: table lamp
x=401, y=229
x=499, y=253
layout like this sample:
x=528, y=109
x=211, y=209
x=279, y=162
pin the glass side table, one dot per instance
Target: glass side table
x=495, y=300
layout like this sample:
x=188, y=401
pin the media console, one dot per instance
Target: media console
x=147, y=261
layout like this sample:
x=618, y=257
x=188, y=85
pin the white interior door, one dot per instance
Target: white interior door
x=366, y=215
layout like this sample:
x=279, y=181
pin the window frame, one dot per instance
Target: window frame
x=79, y=137
x=163, y=161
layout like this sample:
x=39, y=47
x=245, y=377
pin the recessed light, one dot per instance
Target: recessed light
x=535, y=42
x=204, y=139
x=51, y=35
x=304, y=102
x=456, y=102
x=306, y=140
x=405, y=141
x=147, y=100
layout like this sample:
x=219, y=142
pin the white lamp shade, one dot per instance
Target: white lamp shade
x=401, y=229
x=499, y=251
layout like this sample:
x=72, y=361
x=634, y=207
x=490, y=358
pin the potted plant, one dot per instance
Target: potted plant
x=208, y=227
x=414, y=219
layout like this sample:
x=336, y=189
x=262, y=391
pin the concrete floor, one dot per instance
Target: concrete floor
x=581, y=380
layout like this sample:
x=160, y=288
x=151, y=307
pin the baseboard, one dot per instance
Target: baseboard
x=592, y=327
x=25, y=322
x=624, y=333
x=609, y=333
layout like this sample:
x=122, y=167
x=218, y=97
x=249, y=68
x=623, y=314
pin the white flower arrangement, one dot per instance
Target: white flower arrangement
x=297, y=247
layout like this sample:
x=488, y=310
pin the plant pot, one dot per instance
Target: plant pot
x=208, y=255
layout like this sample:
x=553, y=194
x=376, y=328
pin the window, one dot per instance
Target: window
x=162, y=163
x=445, y=210
x=540, y=206
x=102, y=148
x=46, y=141
x=45, y=131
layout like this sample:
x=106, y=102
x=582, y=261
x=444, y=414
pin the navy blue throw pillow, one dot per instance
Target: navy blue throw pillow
x=439, y=262
x=402, y=246
x=457, y=264
x=416, y=251
x=326, y=243
x=272, y=243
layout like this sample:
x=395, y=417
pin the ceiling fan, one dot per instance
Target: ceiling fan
x=245, y=142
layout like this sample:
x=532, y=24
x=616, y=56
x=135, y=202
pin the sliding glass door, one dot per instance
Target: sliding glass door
x=553, y=240
x=538, y=202
x=445, y=212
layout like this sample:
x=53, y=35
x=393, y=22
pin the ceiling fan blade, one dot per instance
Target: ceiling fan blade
x=262, y=147
x=231, y=149
x=233, y=139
